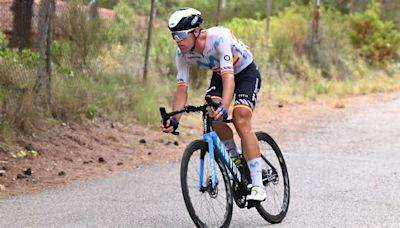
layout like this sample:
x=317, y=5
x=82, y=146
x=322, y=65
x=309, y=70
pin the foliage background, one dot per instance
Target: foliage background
x=98, y=64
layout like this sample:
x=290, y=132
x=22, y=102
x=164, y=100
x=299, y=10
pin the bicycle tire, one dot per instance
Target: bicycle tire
x=189, y=159
x=269, y=150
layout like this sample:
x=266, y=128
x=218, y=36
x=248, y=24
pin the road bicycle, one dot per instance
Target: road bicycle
x=209, y=192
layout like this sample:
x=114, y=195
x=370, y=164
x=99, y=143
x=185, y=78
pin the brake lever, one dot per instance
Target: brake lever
x=214, y=104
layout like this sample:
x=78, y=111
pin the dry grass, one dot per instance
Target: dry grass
x=296, y=92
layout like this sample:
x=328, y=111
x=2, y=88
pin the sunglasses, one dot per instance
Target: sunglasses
x=181, y=35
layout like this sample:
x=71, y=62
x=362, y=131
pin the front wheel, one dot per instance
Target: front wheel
x=207, y=206
x=275, y=179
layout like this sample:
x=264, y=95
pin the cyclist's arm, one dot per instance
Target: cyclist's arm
x=180, y=99
x=226, y=66
x=228, y=83
x=182, y=83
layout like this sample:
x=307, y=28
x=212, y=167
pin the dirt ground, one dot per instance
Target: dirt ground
x=71, y=152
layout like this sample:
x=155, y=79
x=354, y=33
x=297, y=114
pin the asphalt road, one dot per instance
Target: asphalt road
x=344, y=172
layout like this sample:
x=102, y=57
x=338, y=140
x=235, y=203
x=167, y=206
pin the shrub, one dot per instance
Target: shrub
x=80, y=37
x=251, y=32
x=107, y=95
x=3, y=41
x=333, y=52
x=24, y=57
x=122, y=30
x=17, y=110
x=376, y=40
x=163, y=53
x=288, y=35
x=146, y=106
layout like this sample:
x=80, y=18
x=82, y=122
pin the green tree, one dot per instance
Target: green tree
x=110, y=4
x=376, y=39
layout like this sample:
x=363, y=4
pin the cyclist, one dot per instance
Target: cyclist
x=234, y=72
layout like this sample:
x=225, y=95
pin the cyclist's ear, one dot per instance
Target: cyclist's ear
x=197, y=31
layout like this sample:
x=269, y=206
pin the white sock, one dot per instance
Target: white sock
x=232, y=148
x=255, y=171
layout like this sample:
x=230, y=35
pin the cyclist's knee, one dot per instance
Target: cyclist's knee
x=242, y=112
x=242, y=118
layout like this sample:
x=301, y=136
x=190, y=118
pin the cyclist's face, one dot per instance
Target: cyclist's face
x=187, y=43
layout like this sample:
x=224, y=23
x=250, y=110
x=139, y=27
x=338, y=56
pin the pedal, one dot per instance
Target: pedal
x=252, y=203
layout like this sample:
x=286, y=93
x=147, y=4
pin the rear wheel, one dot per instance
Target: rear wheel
x=275, y=179
x=207, y=206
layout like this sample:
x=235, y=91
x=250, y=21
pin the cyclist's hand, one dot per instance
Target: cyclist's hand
x=169, y=125
x=221, y=114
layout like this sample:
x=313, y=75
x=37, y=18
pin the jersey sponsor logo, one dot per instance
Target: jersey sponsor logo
x=244, y=54
x=226, y=68
x=213, y=62
x=210, y=51
x=255, y=91
x=218, y=42
x=244, y=102
x=254, y=164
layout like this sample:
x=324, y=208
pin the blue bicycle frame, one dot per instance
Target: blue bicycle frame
x=213, y=141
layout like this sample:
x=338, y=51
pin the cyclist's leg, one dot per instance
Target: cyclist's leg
x=225, y=133
x=247, y=85
x=242, y=116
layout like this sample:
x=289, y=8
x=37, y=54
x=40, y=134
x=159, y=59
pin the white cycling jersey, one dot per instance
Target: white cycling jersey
x=223, y=54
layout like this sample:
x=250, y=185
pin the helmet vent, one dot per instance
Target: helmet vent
x=195, y=19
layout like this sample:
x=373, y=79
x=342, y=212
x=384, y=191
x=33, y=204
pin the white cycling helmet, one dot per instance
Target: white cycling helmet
x=184, y=19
